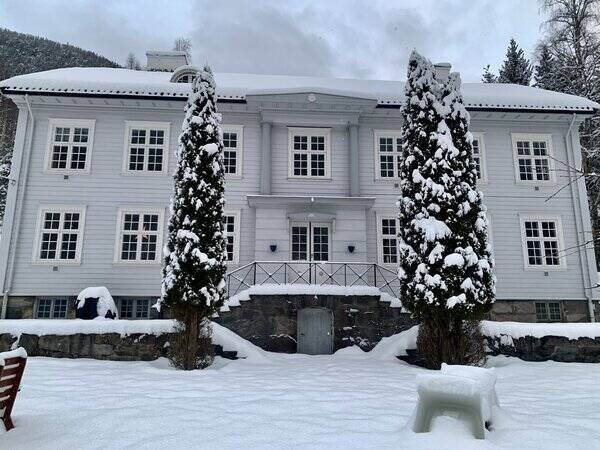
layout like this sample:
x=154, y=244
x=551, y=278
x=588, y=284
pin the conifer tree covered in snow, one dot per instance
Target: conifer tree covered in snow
x=4, y=174
x=488, y=76
x=193, y=275
x=445, y=261
x=516, y=68
x=544, y=75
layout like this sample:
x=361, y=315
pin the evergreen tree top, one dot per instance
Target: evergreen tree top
x=195, y=253
x=516, y=68
x=545, y=74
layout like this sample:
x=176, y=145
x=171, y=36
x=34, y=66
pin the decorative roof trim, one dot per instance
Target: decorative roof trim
x=141, y=95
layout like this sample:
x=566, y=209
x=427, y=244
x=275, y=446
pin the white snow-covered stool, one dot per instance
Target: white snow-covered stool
x=468, y=392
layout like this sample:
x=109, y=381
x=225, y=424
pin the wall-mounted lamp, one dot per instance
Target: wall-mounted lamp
x=351, y=249
x=273, y=247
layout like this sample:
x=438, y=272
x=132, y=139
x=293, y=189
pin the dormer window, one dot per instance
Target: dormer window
x=186, y=79
x=184, y=74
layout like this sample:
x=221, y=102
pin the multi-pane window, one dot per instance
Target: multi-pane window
x=52, y=308
x=70, y=145
x=309, y=153
x=147, y=147
x=232, y=149
x=388, y=240
x=135, y=308
x=479, y=156
x=231, y=229
x=320, y=243
x=542, y=242
x=300, y=243
x=59, y=236
x=548, y=312
x=140, y=235
x=388, y=148
x=533, y=158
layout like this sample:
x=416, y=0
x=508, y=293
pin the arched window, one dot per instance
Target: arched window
x=184, y=74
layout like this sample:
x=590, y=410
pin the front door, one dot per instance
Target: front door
x=310, y=242
x=315, y=331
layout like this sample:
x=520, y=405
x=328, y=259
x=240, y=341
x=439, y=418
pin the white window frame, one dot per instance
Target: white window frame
x=239, y=129
x=53, y=123
x=135, y=301
x=141, y=210
x=559, y=237
x=236, y=214
x=296, y=131
x=142, y=125
x=379, y=216
x=52, y=301
x=61, y=209
x=534, y=137
x=394, y=134
x=546, y=304
x=480, y=137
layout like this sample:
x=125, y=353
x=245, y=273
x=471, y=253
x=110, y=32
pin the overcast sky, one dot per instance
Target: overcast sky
x=343, y=38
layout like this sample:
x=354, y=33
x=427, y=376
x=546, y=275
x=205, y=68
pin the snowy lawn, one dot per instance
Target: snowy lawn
x=348, y=400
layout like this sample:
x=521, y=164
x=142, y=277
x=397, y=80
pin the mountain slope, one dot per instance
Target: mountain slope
x=24, y=53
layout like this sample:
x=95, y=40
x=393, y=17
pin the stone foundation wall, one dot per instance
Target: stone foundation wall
x=547, y=348
x=25, y=307
x=270, y=321
x=109, y=346
x=524, y=311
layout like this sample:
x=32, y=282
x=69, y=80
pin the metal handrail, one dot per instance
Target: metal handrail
x=313, y=273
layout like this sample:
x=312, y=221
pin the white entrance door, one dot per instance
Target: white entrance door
x=310, y=242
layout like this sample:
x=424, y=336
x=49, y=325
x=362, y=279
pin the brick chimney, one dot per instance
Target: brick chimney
x=165, y=61
x=442, y=70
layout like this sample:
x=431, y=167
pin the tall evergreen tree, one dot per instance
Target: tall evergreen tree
x=516, y=68
x=193, y=275
x=488, y=76
x=545, y=70
x=445, y=263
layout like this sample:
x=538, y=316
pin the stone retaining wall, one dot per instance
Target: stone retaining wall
x=270, y=321
x=110, y=346
x=547, y=348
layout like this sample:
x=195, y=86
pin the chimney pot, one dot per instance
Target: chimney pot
x=442, y=70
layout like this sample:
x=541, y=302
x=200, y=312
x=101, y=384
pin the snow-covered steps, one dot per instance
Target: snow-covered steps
x=268, y=315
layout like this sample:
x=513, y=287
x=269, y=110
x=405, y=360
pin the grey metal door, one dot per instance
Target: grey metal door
x=315, y=331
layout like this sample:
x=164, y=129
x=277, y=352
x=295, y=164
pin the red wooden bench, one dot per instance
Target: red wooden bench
x=12, y=366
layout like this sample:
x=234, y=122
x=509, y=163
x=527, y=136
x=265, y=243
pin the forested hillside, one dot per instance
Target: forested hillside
x=23, y=53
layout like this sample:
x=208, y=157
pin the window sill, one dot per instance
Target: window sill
x=137, y=263
x=43, y=262
x=143, y=173
x=66, y=172
x=293, y=178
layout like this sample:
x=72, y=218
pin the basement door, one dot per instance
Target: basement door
x=315, y=331
x=310, y=242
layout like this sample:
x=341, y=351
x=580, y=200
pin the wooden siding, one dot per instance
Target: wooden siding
x=105, y=189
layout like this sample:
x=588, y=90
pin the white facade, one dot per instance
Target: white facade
x=312, y=175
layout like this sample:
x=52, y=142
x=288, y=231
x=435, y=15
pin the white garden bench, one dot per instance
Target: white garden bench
x=468, y=392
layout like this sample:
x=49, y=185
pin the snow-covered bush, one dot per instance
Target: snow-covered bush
x=194, y=271
x=105, y=308
x=445, y=261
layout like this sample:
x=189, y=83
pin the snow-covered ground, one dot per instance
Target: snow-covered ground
x=348, y=400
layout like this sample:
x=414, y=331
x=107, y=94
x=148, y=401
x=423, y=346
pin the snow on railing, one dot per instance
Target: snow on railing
x=319, y=273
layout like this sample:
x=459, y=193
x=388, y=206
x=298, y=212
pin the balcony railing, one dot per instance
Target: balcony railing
x=313, y=273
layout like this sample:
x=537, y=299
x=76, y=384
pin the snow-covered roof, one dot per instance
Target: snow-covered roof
x=234, y=86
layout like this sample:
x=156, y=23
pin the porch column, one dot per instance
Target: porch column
x=354, y=172
x=265, y=163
